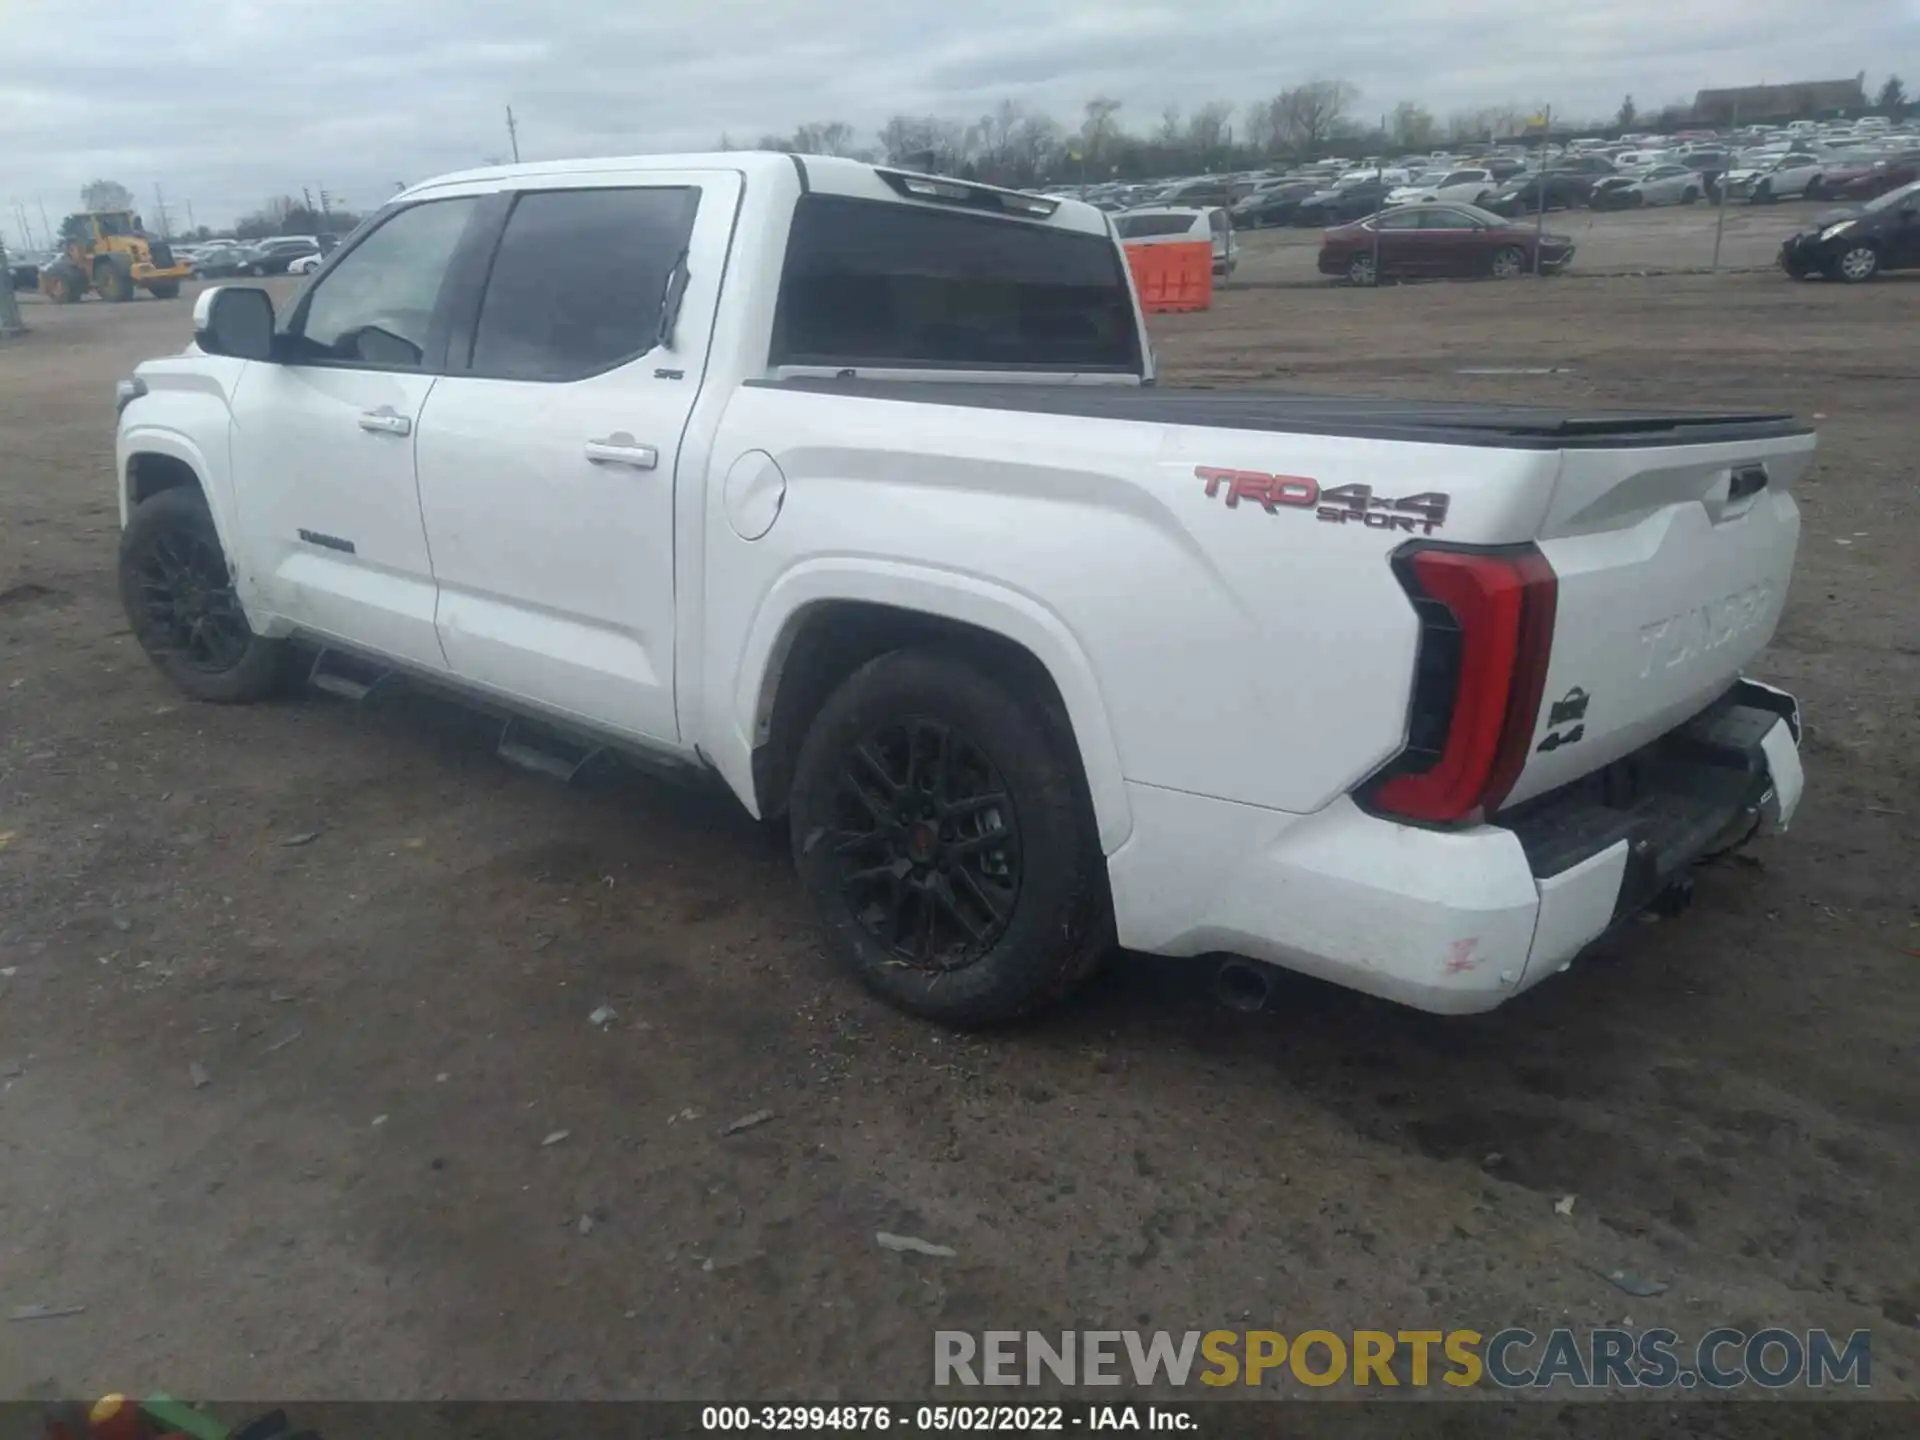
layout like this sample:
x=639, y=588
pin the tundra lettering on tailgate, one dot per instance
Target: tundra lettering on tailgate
x=1420, y=514
x=1692, y=633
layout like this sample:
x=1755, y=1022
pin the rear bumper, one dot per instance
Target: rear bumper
x=1458, y=921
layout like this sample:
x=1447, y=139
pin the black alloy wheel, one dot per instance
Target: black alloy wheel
x=189, y=604
x=178, y=594
x=946, y=838
x=928, y=845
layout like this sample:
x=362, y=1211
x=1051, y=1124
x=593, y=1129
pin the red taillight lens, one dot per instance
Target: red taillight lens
x=1498, y=621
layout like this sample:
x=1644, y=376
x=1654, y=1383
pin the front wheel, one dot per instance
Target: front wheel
x=1816, y=189
x=1690, y=196
x=178, y=593
x=164, y=289
x=1509, y=262
x=1857, y=265
x=950, y=853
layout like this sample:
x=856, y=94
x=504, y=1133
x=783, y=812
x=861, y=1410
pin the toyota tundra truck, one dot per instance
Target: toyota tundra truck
x=853, y=488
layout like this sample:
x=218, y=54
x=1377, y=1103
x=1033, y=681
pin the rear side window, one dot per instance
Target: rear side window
x=578, y=280
x=872, y=282
x=1140, y=227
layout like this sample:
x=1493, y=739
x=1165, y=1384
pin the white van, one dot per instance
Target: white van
x=1170, y=224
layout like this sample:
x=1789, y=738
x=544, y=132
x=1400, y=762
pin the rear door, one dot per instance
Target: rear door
x=548, y=453
x=1452, y=242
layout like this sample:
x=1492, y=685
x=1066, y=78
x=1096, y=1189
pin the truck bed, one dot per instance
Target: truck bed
x=1437, y=422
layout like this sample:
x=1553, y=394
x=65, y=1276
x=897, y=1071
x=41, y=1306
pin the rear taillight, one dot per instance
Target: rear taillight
x=1486, y=633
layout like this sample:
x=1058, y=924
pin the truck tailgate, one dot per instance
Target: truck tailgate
x=1672, y=566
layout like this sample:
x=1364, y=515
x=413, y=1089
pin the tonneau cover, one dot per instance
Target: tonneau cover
x=1378, y=417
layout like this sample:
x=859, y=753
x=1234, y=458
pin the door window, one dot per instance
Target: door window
x=375, y=307
x=1399, y=220
x=579, y=283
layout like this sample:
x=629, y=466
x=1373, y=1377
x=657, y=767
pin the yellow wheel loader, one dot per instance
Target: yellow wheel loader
x=107, y=252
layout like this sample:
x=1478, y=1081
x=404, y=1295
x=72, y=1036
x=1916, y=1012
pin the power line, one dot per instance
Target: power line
x=513, y=135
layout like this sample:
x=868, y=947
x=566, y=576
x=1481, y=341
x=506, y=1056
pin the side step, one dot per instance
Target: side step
x=544, y=751
x=348, y=676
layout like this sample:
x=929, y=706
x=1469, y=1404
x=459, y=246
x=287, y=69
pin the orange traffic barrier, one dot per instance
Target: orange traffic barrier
x=1173, y=277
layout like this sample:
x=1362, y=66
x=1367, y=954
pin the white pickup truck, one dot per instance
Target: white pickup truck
x=854, y=487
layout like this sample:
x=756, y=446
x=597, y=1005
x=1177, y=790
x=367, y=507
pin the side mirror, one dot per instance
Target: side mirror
x=235, y=320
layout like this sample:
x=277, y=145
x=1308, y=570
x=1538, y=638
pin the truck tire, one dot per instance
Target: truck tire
x=113, y=280
x=66, y=285
x=164, y=289
x=177, y=590
x=940, y=826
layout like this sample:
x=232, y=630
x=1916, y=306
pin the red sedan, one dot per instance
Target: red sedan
x=1876, y=180
x=1435, y=240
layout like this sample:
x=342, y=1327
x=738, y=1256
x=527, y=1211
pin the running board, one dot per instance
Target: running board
x=347, y=676
x=543, y=751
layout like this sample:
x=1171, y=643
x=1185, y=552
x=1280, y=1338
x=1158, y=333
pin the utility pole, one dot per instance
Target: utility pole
x=190, y=224
x=1540, y=218
x=1720, y=217
x=513, y=135
x=160, y=209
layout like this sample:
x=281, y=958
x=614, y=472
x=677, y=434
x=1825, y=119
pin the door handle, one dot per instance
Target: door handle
x=620, y=448
x=385, y=421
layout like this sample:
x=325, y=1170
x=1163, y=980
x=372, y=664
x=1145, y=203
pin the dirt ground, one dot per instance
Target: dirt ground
x=379, y=948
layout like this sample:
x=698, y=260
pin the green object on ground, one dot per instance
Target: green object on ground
x=171, y=1414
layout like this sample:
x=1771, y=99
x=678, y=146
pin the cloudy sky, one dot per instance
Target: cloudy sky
x=225, y=102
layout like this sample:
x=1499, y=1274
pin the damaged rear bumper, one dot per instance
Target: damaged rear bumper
x=1455, y=921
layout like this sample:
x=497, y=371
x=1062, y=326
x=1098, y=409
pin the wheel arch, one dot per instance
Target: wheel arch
x=153, y=460
x=822, y=622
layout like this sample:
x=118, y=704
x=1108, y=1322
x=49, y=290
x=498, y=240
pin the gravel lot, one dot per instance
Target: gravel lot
x=391, y=1016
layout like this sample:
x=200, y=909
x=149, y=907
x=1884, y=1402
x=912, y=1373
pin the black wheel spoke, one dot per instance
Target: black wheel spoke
x=964, y=879
x=973, y=805
x=875, y=768
x=925, y=844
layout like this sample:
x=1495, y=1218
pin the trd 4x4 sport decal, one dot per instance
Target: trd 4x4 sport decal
x=1420, y=514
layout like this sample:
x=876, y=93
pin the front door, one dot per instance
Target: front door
x=323, y=444
x=548, y=453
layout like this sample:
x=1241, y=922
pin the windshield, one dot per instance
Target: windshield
x=1903, y=196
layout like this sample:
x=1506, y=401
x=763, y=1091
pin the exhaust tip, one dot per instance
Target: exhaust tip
x=1244, y=986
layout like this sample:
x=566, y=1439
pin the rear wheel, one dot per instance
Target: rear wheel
x=65, y=285
x=950, y=854
x=1690, y=196
x=1859, y=264
x=1509, y=262
x=1361, y=270
x=164, y=289
x=1816, y=188
x=177, y=590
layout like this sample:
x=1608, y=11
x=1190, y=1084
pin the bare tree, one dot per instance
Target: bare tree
x=105, y=195
x=1311, y=114
x=1412, y=127
x=1100, y=127
x=1627, y=114
x=1169, y=132
x=1208, y=129
x=822, y=137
